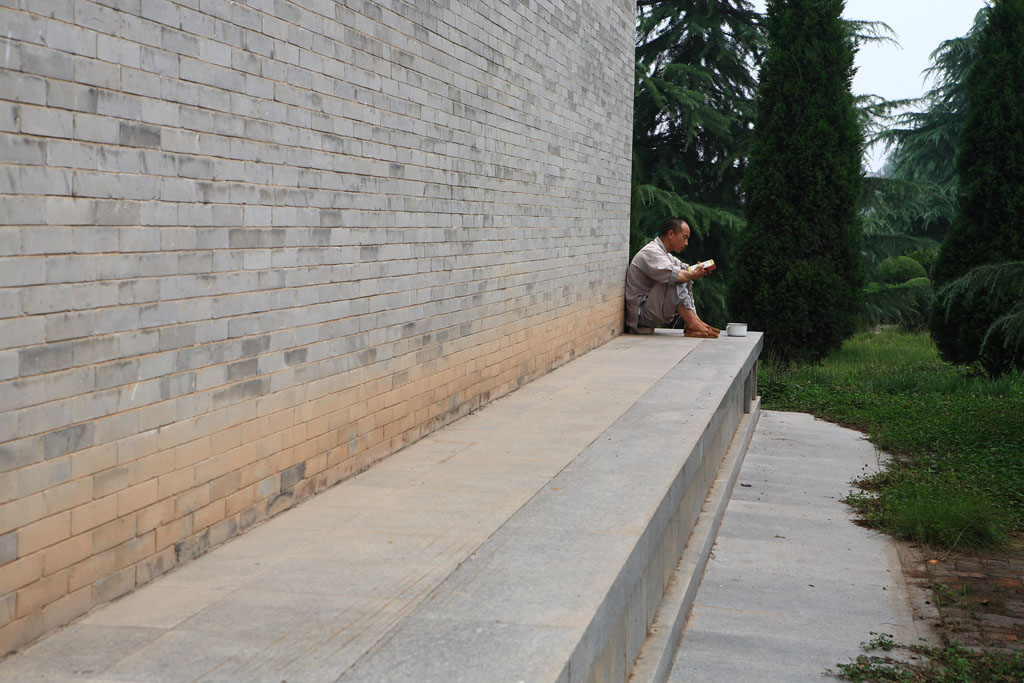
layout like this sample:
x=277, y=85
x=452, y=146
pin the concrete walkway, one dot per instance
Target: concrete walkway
x=793, y=586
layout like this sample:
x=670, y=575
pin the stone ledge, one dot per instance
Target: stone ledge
x=531, y=540
x=655, y=659
x=566, y=589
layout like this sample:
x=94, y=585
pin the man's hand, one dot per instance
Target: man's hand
x=687, y=275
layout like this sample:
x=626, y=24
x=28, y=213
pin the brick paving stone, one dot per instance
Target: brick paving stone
x=984, y=606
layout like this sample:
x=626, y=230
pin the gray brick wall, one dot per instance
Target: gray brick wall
x=247, y=249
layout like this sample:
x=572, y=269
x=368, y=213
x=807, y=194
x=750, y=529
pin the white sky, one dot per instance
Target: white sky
x=920, y=25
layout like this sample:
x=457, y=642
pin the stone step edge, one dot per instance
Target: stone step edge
x=654, y=661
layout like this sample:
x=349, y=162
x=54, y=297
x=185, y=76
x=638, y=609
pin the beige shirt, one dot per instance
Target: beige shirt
x=651, y=285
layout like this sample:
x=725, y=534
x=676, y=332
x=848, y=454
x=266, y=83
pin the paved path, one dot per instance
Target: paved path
x=793, y=586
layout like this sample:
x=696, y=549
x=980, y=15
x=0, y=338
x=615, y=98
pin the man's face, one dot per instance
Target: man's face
x=676, y=240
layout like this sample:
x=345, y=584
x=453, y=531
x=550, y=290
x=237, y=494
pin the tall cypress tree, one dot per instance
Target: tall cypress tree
x=987, y=225
x=798, y=273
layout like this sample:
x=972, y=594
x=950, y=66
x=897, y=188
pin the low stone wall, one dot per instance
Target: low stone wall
x=248, y=249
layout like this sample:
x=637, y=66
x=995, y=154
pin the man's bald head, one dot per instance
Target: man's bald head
x=673, y=225
x=675, y=234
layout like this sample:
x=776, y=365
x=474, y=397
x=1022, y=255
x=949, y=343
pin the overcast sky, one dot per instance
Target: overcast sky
x=920, y=25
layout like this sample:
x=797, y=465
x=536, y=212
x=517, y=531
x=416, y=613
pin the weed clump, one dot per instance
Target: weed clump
x=920, y=663
x=941, y=510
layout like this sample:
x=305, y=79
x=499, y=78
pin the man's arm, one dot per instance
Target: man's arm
x=662, y=267
x=659, y=266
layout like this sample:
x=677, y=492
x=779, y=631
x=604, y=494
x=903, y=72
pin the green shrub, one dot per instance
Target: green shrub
x=992, y=287
x=905, y=304
x=899, y=269
x=986, y=228
x=926, y=257
x=798, y=273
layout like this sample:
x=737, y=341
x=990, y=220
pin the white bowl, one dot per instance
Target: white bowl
x=736, y=329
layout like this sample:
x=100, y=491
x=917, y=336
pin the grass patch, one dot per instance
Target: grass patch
x=942, y=510
x=958, y=435
x=921, y=664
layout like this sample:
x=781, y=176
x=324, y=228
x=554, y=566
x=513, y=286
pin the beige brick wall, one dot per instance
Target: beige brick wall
x=248, y=249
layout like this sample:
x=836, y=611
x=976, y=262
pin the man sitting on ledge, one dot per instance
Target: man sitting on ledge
x=659, y=286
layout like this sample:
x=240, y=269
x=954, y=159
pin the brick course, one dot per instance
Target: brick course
x=247, y=250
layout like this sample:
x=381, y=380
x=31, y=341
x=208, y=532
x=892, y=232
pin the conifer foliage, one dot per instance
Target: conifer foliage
x=692, y=119
x=987, y=227
x=798, y=272
x=918, y=196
